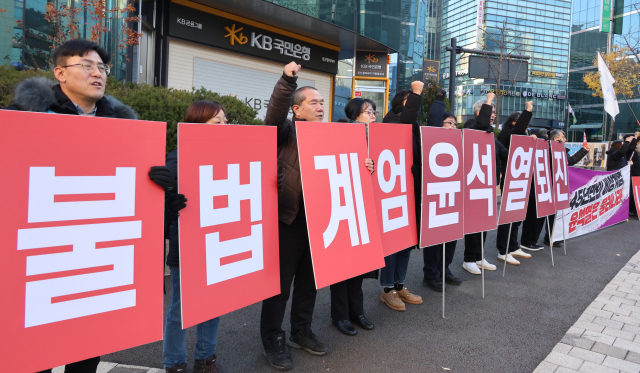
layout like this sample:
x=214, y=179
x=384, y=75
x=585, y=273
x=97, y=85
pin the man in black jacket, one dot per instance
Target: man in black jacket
x=634, y=160
x=295, y=253
x=617, y=155
x=81, y=70
x=485, y=114
x=509, y=251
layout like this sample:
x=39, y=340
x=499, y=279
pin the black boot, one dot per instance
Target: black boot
x=309, y=342
x=208, y=365
x=277, y=352
x=362, y=321
x=345, y=327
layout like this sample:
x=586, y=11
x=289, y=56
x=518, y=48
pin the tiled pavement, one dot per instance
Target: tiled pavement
x=606, y=338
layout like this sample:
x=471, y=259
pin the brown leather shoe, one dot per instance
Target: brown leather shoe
x=406, y=296
x=392, y=300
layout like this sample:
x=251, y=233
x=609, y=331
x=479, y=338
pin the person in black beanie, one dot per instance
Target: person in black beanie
x=432, y=255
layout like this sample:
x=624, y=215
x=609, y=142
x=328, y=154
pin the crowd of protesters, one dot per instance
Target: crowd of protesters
x=81, y=68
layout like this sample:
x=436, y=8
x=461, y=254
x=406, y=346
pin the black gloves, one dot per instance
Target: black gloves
x=164, y=177
x=441, y=94
x=175, y=203
x=489, y=129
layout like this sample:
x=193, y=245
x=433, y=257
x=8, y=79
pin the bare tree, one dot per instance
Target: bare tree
x=507, y=42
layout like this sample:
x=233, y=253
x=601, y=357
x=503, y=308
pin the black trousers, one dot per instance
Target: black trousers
x=532, y=226
x=472, y=248
x=83, y=366
x=432, y=256
x=503, y=235
x=632, y=198
x=347, y=299
x=549, y=230
x=296, y=267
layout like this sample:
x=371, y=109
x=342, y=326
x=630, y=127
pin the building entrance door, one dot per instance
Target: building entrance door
x=376, y=90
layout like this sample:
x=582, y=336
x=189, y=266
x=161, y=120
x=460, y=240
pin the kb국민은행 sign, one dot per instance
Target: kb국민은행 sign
x=229, y=229
x=391, y=149
x=83, y=243
x=339, y=201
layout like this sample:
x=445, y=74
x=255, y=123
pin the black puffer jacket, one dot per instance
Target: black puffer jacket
x=483, y=123
x=577, y=157
x=43, y=95
x=409, y=114
x=614, y=157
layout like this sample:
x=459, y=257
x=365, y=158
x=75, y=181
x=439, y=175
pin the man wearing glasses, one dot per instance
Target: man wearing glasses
x=81, y=70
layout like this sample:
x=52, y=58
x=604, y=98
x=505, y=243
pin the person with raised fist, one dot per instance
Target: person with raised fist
x=405, y=108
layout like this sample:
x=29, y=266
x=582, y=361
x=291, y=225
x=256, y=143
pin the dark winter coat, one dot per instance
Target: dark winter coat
x=615, y=157
x=409, y=114
x=43, y=95
x=571, y=160
x=290, y=202
x=482, y=123
x=632, y=155
x=171, y=226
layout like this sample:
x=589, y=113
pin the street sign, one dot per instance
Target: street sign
x=488, y=68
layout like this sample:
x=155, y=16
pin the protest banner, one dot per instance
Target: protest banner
x=636, y=191
x=229, y=229
x=84, y=240
x=517, y=182
x=391, y=149
x=598, y=199
x=559, y=168
x=480, y=176
x=543, y=183
x=442, y=180
x=339, y=201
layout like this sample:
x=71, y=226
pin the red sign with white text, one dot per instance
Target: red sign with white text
x=636, y=191
x=442, y=185
x=391, y=149
x=560, y=175
x=480, y=181
x=82, y=246
x=229, y=229
x=339, y=201
x=517, y=182
x=544, y=186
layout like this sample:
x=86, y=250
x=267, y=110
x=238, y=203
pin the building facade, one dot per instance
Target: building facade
x=588, y=37
x=538, y=28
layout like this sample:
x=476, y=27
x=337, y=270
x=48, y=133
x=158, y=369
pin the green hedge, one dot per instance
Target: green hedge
x=150, y=103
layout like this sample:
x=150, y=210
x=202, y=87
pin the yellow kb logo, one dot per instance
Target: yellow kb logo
x=371, y=58
x=431, y=69
x=235, y=35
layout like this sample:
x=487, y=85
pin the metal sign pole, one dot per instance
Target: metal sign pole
x=482, y=260
x=564, y=235
x=550, y=242
x=443, y=269
x=504, y=269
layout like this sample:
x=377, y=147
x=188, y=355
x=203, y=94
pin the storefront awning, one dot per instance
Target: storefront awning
x=284, y=18
x=576, y=127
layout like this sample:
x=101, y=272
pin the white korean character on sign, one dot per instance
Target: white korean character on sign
x=387, y=186
x=542, y=175
x=560, y=173
x=210, y=215
x=41, y=307
x=279, y=45
x=347, y=212
x=297, y=48
x=288, y=48
x=306, y=53
x=476, y=172
x=443, y=189
x=520, y=164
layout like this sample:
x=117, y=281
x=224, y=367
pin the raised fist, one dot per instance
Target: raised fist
x=529, y=105
x=441, y=94
x=292, y=69
x=417, y=86
x=490, y=97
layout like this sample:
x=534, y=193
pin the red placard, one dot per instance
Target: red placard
x=636, y=191
x=339, y=201
x=480, y=181
x=229, y=229
x=517, y=182
x=84, y=240
x=391, y=149
x=442, y=191
x=559, y=166
x=544, y=186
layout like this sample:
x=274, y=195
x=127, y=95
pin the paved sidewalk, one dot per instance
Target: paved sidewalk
x=606, y=338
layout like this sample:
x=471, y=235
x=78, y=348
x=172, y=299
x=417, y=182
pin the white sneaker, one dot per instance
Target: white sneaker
x=488, y=266
x=471, y=267
x=510, y=260
x=520, y=254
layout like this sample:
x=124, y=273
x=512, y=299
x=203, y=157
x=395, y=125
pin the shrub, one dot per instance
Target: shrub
x=150, y=103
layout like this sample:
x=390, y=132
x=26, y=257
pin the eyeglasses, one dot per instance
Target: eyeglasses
x=370, y=112
x=89, y=67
